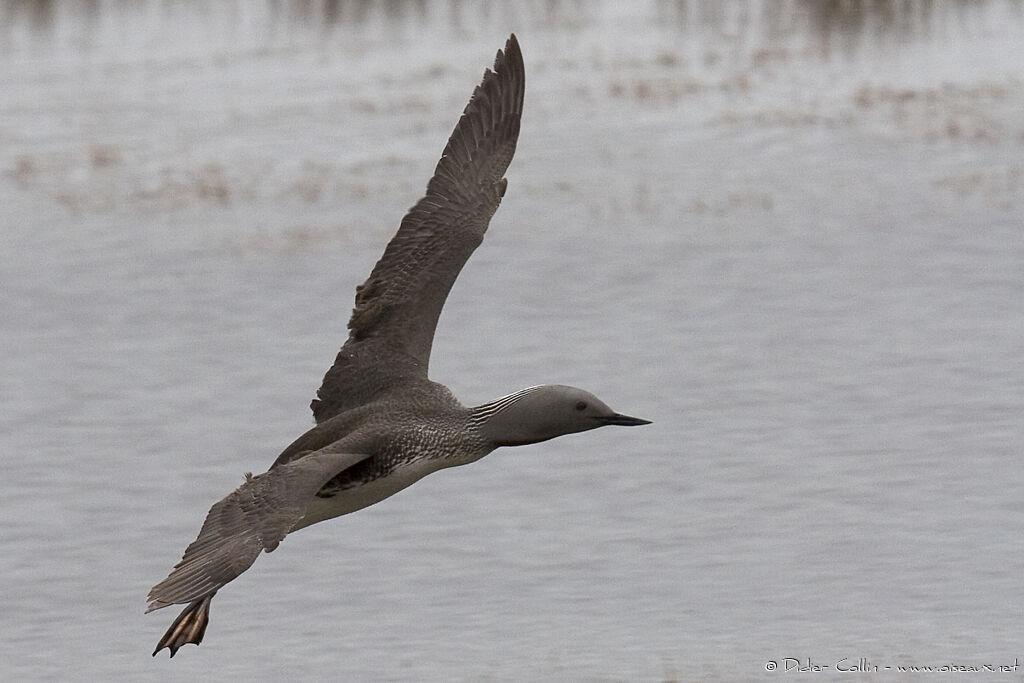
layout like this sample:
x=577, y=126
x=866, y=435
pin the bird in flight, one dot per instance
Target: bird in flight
x=381, y=424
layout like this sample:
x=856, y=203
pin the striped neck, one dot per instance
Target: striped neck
x=480, y=414
x=486, y=418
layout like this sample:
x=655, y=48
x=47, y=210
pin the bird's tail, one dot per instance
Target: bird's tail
x=189, y=627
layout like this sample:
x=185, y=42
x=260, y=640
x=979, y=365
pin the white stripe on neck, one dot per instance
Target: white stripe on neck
x=481, y=413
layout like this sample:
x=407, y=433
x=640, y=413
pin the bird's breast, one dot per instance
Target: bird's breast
x=383, y=476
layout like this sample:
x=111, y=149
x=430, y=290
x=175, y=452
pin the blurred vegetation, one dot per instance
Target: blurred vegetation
x=827, y=16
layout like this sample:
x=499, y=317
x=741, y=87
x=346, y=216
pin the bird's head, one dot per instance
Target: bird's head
x=544, y=412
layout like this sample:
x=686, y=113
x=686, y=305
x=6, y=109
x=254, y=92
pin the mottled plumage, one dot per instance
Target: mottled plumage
x=381, y=424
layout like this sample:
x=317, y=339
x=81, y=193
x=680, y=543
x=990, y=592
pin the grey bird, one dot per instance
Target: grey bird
x=381, y=425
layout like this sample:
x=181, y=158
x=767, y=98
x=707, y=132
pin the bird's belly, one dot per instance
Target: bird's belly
x=366, y=494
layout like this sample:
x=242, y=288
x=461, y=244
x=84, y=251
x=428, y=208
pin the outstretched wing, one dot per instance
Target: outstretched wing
x=255, y=517
x=392, y=325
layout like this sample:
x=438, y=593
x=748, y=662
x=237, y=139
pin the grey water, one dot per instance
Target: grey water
x=789, y=233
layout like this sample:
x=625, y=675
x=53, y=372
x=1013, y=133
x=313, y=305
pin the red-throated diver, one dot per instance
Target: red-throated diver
x=381, y=424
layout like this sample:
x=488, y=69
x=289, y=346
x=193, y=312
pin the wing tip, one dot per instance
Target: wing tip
x=511, y=59
x=512, y=51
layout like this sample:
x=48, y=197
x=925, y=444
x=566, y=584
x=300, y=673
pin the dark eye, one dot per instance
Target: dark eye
x=581, y=405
